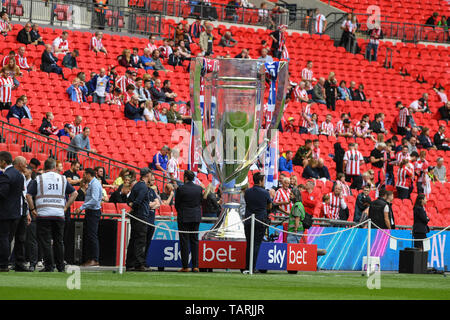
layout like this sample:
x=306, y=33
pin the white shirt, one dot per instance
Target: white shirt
x=319, y=22
x=60, y=44
x=101, y=86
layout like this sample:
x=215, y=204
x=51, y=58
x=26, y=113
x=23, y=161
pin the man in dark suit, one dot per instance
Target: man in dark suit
x=188, y=203
x=24, y=35
x=48, y=62
x=12, y=186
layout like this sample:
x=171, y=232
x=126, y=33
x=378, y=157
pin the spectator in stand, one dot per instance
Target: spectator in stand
x=301, y=94
x=158, y=64
x=75, y=93
x=231, y=10
x=72, y=174
x=125, y=80
x=145, y=91
x=48, y=62
x=307, y=72
x=170, y=95
x=340, y=180
x=322, y=170
x=375, y=34
x=80, y=142
x=331, y=91
x=114, y=98
x=132, y=110
x=440, y=171
x=377, y=126
x=402, y=124
x=175, y=59
x=319, y=91
x=13, y=71
x=313, y=127
x=310, y=197
x=120, y=195
x=24, y=35
x=11, y=56
x=353, y=159
x=35, y=36
x=420, y=170
x=61, y=45
x=163, y=115
x=173, y=167
x=327, y=128
x=96, y=43
x=418, y=106
x=405, y=175
x=136, y=59
x=206, y=41
x=345, y=130
x=152, y=43
x=76, y=127
x=377, y=161
x=285, y=162
x=21, y=60
x=125, y=59
x=227, y=40
x=146, y=60
x=160, y=160
x=343, y=92
x=5, y=25
x=444, y=111
x=138, y=87
x=432, y=21
x=165, y=50
x=100, y=85
x=243, y=54
x=283, y=196
x=425, y=139
x=360, y=95
x=352, y=90
x=185, y=51
x=278, y=41
x=362, y=204
x=303, y=154
x=362, y=131
x=196, y=28
x=309, y=172
x=157, y=93
x=18, y=111
x=47, y=127
x=441, y=93
x=290, y=126
x=320, y=22
x=173, y=116
x=336, y=204
x=345, y=27
x=265, y=56
x=440, y=141
x=6, y=87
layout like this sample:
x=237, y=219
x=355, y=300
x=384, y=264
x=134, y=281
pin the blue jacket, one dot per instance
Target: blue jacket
x=16, y=112
x=11, y=194
x=284, y=165
x=132, y=112
x=73, y=94
x=140, y=199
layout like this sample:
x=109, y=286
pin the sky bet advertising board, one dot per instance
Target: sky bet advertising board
x=345, y=251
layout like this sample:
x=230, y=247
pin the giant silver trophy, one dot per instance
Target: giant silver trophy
x=230, y=127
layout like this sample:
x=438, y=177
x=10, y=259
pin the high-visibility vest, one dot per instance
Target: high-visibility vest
x=51, y=195
x=101, y=9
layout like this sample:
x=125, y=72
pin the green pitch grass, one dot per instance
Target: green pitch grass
x=222, y=285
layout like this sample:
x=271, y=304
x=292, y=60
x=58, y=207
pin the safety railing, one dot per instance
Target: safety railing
x=212, y=11
x=33, y=144
x=77, y=14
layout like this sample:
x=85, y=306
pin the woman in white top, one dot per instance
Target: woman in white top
x=149, y=113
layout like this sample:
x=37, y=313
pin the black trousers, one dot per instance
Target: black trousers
x=402, y=193
x=19, y=241
x=137, y=245
x=91, y=245
x=48, y=230
x=419, y=235
x=355, y=180
x=7, y=230
x=259, y=235
x=419, y=187
x=5, y=105
x=401, y=131
x=189, y=243
x=31, y=244
x=150, y=232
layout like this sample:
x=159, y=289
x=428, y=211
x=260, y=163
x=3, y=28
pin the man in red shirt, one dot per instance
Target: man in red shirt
x=310, y=198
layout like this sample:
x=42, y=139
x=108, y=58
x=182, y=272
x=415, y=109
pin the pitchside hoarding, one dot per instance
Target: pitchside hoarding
x=345, y=251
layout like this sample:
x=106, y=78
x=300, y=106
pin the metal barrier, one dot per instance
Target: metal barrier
x=76, y=14
x=37, y=145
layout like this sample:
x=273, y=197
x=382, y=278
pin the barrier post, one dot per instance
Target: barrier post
x=252, y=243
x=369, y=227
x=122, y=241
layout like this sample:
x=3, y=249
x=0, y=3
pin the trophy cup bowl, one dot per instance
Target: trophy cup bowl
x=229, y=134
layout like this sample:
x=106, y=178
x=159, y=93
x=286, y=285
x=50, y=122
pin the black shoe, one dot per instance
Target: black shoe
x=47, y=270
x=19, y=268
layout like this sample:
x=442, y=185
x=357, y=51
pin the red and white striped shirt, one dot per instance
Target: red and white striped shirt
x=300, y=94
x=327, y=128
x=362, y=131
x=333, y=207
x=402, y=117
x=353, y=158
x=307, y=74
x=62, y=45
x=166, y=51
x=126, y=97
x=400, y=157
x=345, y=188
x=306, y=112
x=341, y=129
x=319, y=22
x=76, y=129
x=283, y=196
x=5, y=60
x=79, y=94
x=173, y=168
x=375, y=36
x=6, y=86
x=405, y=175
x=112, y=99
x=22, y=62
x=339, y=125
x=96, y=44
x=122, y=83
x=152, y=47
x=421, y=168
x=4, y=26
